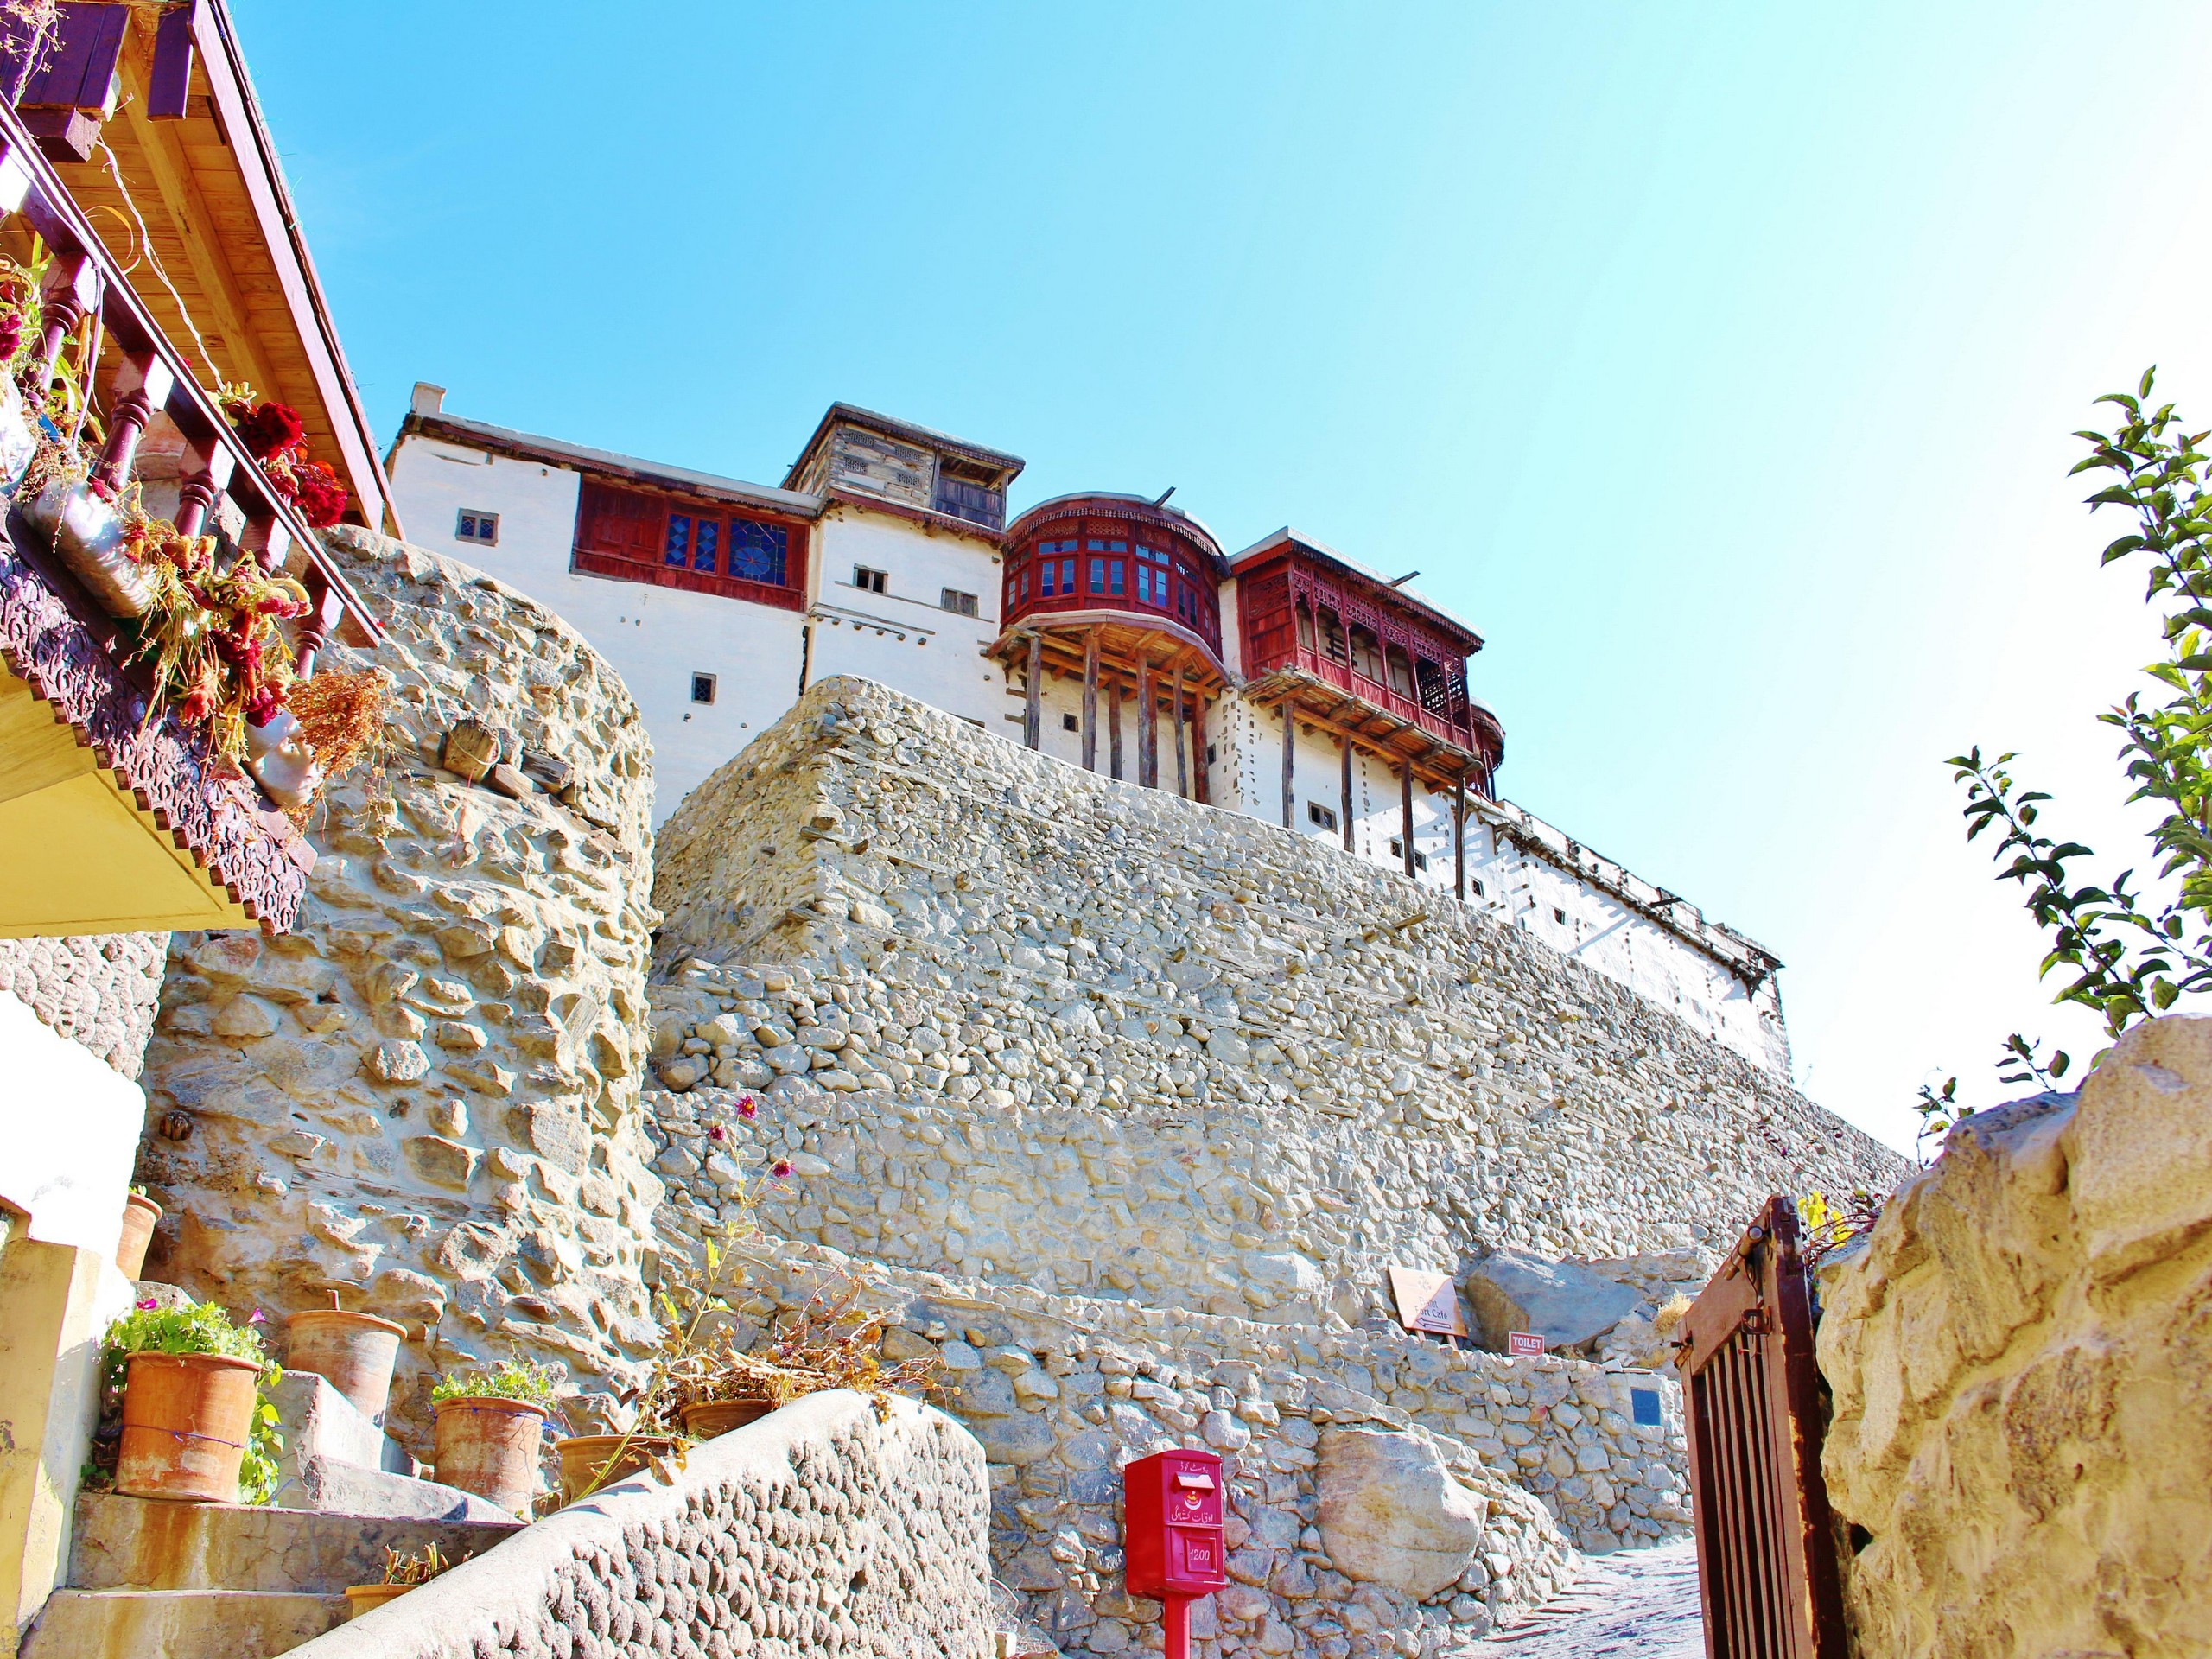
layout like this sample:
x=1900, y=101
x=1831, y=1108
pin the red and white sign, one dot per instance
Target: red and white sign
x=1521, y=1341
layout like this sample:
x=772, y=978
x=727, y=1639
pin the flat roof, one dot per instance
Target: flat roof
x=1287, y=536
x=529, y=446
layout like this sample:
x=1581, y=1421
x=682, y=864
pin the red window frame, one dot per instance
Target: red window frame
x=623, y=533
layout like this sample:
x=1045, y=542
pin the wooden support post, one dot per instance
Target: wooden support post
x=1459, y=837
x=1033, y=707
x=140, y=387
x=1182, y=762
x=1147, y=726
x=1346, y=805
x=1114, y=730
x=1406, y=813
x=1289, y=760
x=1091, y=700
x=72, y=287
x=1202, y=776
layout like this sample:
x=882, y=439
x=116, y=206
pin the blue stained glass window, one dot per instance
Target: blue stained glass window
x=1644, y=1406
x=1048, y=581
x=1144, y=584
x=706, y=538
x=679, y=540
x=1114, y=577
x=1067, y=575
x=758, y=551
x=1098, y=576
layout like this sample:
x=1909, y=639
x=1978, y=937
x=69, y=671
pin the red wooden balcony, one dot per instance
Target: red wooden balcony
x=112, y=821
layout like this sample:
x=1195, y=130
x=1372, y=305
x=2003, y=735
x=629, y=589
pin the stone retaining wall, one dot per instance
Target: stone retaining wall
x=818, y=1532
x=2021, y=1361
x=1062, y=1392
x=100, y=991
x=1035, y=1025
x=425, y=1097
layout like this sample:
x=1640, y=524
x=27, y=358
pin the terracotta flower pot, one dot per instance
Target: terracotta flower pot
x=186, y=1418
x=585, y=1455
x=139, y=1215
x=713, y=1417
x=488, y=1446
x=355, y=1351
x=367, y=1598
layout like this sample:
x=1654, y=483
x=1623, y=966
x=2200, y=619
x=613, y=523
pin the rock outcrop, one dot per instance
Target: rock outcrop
x=2021, y=1361
x=426, y=1096
x=1565, y=1304
x=1392, y=1514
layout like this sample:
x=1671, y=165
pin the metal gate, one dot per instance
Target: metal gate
x=1766, y=1561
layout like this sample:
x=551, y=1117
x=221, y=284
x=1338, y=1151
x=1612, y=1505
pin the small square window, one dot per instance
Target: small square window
x=1069, y=723
x=1213, y=753
x=958, y=603
x=1323, y=815
x=1398, y=851
x=868, y=580
x=1477, y=887
x=702, y=688
x=482, y=528
x=1559, y=916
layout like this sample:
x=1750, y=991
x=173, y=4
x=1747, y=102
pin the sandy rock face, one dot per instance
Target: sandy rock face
x=97, y=991
x=2023, y=1427
x=1391, y=1513
x=426, y=1096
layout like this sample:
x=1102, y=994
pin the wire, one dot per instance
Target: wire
x=146, y=240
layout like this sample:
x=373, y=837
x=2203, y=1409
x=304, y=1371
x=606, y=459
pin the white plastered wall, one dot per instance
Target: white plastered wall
x=903, y=636
x=657, y=638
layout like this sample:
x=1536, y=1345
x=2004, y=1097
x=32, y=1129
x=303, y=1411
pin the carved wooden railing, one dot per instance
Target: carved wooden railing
x=67, y=646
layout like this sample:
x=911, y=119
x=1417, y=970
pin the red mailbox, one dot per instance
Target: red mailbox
x=1172, y=1515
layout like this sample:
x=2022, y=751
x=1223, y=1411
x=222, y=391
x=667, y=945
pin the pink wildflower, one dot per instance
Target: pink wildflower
x=259, y=1317
x=748, y=1108
x=146, y=1306
x=715, y=1132
x=781, y=1169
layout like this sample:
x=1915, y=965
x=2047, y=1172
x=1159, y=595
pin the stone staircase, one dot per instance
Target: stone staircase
x=227, y=1581
x=222, y=1581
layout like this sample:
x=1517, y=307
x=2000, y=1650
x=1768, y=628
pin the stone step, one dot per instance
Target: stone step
x=180, y=1624
x=134, y=1543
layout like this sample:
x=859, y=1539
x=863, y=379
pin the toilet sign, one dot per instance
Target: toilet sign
x=1522, y=1341
x=1427, y=1301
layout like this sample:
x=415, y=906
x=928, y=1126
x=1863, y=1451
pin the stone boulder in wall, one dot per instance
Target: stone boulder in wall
x=1565, y=1305
x=1391, y=1514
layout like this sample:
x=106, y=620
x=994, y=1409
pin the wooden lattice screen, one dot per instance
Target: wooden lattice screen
x=1766, y=1554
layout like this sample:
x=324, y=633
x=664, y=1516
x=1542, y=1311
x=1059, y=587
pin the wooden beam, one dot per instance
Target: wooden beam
x=1346, y=744
x=1289, y=759
x=1201, y=762
x=1182, y=762
x=1091, y=700
x=1406, y=814
x=1459, y=838
x=1032, y=700
x=1113, y=729
x=1148, y=728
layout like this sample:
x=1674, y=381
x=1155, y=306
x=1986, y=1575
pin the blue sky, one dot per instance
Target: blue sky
x=1716, y=363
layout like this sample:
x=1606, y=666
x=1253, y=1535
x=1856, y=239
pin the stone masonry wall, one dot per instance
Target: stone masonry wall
x=820, y=1532
x=1042, y=1027
x=1062, y=1391
x=2021, y=1361
x=97, y=991
x=426, y=1096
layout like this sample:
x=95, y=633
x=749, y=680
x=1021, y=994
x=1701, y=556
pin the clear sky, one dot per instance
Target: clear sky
x=1716, y=362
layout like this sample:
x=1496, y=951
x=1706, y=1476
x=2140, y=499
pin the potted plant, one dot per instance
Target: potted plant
x=710, y=1391
x=355, y=1352
x=139, y=1215
x=490, y=1425
x=190, y=1379
x=591, y=1461
x=401, y=1574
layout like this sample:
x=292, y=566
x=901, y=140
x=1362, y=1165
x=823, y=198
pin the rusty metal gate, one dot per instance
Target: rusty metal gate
x=1766, y=1560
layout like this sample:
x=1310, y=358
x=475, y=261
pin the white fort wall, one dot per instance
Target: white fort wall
x=904, y=636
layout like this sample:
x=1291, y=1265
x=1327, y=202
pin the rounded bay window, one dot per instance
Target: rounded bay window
x=1101, y=558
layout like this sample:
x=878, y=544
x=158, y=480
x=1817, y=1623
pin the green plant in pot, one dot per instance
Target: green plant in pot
x=491, y=1423
x=195, y=1424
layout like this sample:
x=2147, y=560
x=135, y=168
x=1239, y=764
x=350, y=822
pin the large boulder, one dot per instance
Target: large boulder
x=1565, y=1305
x=1391, y=1514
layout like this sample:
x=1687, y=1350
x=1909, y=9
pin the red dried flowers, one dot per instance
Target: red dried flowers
x=275, y=435
x=269, y=429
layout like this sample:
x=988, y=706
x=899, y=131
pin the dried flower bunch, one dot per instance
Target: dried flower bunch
x=275, y=435
x=344, y=719
x=219, y=657
x=418, y=1568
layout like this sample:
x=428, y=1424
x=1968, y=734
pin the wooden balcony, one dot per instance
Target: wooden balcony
x=109, y=821
x=1443, y=748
